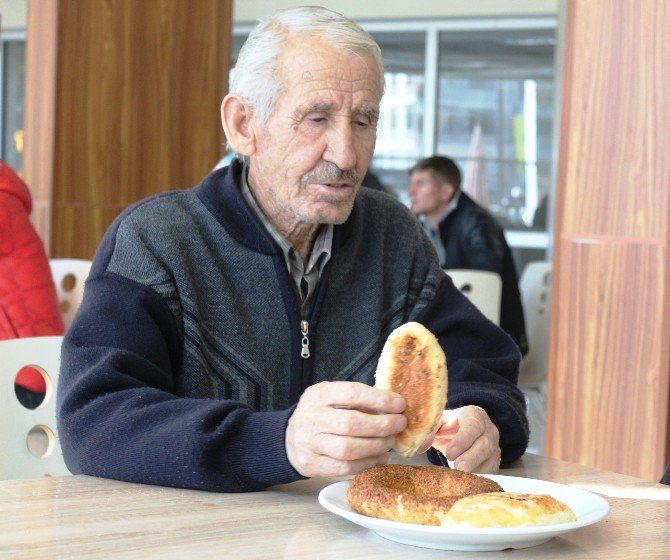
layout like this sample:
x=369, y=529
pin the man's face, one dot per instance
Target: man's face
x=312, y=153
x=427, y=195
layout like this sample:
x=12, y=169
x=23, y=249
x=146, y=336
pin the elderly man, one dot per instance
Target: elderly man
x=229, y=334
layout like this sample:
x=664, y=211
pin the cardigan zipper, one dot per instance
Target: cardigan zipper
x=304, y=329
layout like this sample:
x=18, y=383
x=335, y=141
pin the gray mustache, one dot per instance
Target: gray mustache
x=328, y=172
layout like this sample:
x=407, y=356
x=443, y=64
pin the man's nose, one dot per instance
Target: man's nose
x=341, y=150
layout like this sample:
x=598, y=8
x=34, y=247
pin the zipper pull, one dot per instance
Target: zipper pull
x=304, y=329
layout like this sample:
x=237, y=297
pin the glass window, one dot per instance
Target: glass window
x=495, y=116
x=13, y=96
x=400, y=130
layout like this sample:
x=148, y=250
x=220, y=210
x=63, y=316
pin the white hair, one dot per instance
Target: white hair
x=256, y=76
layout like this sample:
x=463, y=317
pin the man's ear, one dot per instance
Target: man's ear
x=236, y=116
x=447, y=191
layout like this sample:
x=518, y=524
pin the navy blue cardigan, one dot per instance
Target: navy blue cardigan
x=184, y=363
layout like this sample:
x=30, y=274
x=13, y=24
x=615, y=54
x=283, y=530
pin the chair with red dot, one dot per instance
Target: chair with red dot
x=28, y=434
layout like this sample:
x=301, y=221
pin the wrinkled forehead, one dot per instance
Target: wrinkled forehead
x=308, y=62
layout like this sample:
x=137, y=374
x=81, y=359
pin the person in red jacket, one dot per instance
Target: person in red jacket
x=28, y=302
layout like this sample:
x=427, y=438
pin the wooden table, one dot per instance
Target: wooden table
x=85, y=517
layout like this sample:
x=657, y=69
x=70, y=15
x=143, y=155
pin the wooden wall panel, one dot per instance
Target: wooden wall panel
x=39, y=112
x=616, y=157
x=84, y=222
x=138, y=90
x=610, y=396
x=610, y=344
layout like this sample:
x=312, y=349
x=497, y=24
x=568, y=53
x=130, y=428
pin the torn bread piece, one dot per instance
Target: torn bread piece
x=413, y=365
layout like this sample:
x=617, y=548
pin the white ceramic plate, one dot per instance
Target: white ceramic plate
x=588, y=507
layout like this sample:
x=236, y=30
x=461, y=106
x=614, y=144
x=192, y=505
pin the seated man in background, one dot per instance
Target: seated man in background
x=229, y=334
x=465, y=235
x=28, y=301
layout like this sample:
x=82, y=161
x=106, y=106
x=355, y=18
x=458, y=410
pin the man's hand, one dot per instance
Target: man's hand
x=340, y=428
x=467, y=437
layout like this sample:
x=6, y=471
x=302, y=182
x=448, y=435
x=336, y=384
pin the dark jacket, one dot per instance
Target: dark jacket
x=184, y=363
x=474, y=240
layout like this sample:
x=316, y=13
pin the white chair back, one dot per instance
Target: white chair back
x=29, y=439
x=482, y=287
x=535, y=288
x=69, y=276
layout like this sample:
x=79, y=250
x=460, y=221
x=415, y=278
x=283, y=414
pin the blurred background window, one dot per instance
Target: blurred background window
x=13, y=72
x=401, y=139
x=495, y=116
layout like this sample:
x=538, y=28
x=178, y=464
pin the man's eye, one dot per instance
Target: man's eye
x=362, y=122
x=317, y=119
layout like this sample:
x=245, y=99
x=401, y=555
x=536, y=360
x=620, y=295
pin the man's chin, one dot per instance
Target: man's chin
x=335, y=218
x=335, y=214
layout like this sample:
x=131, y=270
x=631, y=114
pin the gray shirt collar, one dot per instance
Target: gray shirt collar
x=304, y=277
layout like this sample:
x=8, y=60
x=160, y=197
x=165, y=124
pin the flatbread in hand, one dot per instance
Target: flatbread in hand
x=413, y=365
